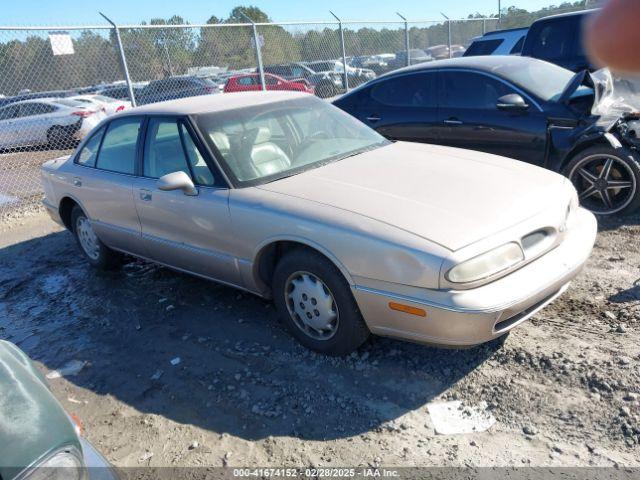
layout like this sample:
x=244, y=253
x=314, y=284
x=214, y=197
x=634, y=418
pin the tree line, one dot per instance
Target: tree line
x=28, y=63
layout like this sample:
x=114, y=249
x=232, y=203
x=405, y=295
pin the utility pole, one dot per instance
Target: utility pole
x=406, y=38
x=344, y=53
x=448, y=32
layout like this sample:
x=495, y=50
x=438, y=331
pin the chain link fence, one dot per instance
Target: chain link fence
x=59, y=82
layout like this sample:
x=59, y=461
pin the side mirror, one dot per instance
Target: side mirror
x=512, y=102
x=177, y=181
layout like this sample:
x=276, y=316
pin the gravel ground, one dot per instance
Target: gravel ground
x=563, y=388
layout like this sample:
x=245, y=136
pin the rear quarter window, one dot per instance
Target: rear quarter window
x=89, y=153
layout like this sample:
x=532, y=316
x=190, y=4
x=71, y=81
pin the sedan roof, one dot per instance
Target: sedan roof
x=487, y=63
x=213, y=103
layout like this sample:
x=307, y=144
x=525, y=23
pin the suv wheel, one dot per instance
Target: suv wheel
x=96, y=252
x=606, y=179
x=316, y=304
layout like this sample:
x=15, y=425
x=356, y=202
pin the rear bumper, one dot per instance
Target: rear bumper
x=471, y=317
x=53, y=212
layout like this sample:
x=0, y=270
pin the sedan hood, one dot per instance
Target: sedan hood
x=450, y=196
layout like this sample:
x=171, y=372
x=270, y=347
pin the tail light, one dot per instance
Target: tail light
x=83, y=113
x=120, y=108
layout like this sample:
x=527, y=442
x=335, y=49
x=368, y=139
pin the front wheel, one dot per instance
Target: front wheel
x=96, y=252
x=316, y=304
x=606, y=179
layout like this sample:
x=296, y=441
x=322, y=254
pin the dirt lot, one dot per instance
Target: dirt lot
x=564, y=388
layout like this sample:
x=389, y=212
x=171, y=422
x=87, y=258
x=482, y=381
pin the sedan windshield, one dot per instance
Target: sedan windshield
x=267, y=142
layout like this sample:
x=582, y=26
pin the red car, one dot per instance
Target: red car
x=251, y=81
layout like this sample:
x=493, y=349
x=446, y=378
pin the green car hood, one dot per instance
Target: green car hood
x=32, y=422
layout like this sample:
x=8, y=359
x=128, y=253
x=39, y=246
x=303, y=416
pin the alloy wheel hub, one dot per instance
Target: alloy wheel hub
x=605, y=183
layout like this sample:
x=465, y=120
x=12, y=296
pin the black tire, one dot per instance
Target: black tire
x=326, y=90
x=586, y=171
x=58, y=138
x=350, y=331
x=104, y=258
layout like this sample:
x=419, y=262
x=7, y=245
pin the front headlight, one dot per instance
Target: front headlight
x=486, y=264
x=66, y=464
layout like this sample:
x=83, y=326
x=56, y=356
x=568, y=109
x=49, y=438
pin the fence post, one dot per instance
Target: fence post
x=406, y=39
x=484, y=26
x=258, y=50
x=448, y=32
x=344, y=53
x=123, y=60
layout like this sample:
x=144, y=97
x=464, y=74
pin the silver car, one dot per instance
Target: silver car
x=46, y=121
x=285, y=196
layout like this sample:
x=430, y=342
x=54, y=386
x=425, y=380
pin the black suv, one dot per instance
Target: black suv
x=558, y=39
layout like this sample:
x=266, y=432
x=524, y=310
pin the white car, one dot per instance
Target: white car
x=57, y=122
x=110, y=105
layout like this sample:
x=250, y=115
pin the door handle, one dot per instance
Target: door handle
x=373, y=118
x=453, y=121
x=77, y=181
x=145, y=195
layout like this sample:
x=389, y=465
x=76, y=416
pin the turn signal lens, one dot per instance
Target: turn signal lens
x=487, y=264
x=407, y=309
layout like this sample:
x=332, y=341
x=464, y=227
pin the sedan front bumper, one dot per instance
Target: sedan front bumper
x=471, y=317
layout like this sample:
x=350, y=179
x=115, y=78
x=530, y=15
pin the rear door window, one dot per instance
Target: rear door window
x=119, y=147
x=555, y=40
x=413, y=90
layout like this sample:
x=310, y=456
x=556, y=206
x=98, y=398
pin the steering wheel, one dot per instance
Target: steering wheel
x=319, y=135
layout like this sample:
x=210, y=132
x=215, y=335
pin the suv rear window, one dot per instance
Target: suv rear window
x=484, y=47
x=554, y=40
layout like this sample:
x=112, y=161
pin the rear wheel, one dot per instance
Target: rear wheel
x=58, y=138
x=96, y=252
x=316, y=304
x=606, y=179
x=326, y=90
